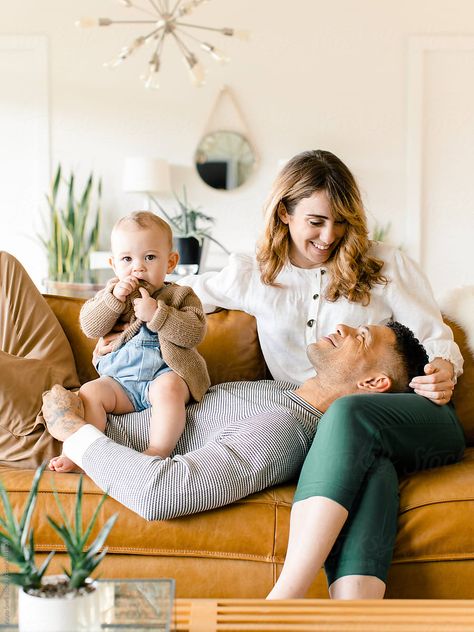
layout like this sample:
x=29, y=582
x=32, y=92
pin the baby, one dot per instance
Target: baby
x=154, y=360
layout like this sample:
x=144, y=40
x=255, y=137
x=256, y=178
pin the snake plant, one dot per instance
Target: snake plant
x=73, y=228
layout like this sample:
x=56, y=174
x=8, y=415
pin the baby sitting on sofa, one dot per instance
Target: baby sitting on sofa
x=154, y=362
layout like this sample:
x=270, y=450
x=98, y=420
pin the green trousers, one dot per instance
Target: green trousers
x=362, y=444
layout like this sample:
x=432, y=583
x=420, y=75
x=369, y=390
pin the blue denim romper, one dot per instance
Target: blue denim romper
x=134, y=365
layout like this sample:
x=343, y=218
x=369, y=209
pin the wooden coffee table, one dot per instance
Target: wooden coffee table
x=322, y=615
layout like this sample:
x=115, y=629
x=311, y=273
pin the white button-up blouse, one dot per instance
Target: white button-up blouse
x=295, y=314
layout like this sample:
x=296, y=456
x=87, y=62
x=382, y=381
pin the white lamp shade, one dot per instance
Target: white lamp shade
x=146, y=175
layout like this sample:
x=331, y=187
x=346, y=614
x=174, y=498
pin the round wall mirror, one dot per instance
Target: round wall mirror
x=224, y=159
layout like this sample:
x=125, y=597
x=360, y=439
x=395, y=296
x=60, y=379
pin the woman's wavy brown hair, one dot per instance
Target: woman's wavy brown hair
x=352, y=272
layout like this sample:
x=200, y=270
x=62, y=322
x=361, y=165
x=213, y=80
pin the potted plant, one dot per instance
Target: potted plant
x=73, y=231
x=59, y=603
x=190, y=228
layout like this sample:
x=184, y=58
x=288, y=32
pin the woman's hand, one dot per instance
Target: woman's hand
x=105, y=344
x=437, y=384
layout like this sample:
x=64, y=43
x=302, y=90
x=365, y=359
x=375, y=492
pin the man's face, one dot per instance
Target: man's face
x=349, y=354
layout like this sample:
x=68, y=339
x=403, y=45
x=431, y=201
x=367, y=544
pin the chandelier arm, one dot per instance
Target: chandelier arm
x=130, y=22
x=196, y=39
x=156, y=4
x=223, y=30
x=160, y=43
x=214, y=52
x=138, y=7
x=181, y=45
x=177, y=3
x=155, y=32
x=183, y=32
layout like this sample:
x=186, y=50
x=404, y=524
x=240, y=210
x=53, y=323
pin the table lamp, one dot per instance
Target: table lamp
x=146, y=175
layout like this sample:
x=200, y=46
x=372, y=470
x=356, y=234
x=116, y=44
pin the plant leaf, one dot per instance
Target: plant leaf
x=102, y=536
x=78, y=509
x=45, y=564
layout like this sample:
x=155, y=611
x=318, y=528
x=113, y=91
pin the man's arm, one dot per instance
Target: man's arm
x=245, y=458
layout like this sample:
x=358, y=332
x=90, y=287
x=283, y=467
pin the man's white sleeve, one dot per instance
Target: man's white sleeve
x=76, y=445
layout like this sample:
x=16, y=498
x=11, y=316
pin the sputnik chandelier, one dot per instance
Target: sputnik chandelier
x=164, y=19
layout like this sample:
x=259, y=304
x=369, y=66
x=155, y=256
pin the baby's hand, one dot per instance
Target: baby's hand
x=125, y=287
x=144, y=307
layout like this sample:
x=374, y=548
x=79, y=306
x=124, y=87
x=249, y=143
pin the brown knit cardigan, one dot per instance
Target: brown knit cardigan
x=179, y=322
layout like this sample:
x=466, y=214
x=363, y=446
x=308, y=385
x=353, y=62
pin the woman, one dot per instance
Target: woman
x=315, y=268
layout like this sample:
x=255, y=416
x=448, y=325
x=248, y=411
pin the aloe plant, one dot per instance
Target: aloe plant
x=17, y=539
x=189, y=221
x=73, y=228
x=83, y=562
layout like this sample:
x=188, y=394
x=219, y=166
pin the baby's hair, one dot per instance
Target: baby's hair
x=145, y=219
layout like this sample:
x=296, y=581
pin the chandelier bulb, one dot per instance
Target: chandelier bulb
x=196, y=70
x=86, y=23
x=198, y=75
x=113, y=63
x=187, y=7
x=151, y=81
x=241, y=34
x=215, y=53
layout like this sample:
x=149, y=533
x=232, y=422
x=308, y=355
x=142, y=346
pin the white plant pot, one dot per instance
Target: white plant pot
x=80, y=613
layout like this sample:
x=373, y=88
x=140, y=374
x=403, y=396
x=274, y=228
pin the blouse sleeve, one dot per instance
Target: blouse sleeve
x=413, y=304
x=228, y=288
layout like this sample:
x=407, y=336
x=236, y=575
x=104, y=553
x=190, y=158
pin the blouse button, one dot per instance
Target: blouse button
x=315, y=296
x=323, y=271
x=310, y=322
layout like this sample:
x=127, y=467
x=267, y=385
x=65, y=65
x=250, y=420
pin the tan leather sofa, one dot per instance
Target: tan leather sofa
x=237, y=551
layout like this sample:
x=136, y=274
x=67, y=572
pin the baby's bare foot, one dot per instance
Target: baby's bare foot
x=63, y=464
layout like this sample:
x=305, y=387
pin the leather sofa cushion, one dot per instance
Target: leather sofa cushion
x=463, y=393
x=436, y=520
x=255, y=528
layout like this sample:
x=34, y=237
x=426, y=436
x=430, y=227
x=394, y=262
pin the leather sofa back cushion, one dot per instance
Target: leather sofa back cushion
x=232, y=352
x=464, y=391
x=231, y=348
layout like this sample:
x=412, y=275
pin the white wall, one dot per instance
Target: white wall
x=322, y=74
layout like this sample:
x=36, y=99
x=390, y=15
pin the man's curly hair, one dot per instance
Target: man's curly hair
x=412, y=354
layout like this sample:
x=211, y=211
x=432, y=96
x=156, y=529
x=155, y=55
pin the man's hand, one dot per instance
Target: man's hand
x=63, y=412
x=125, y=287
x=144, y=307
x=437, y=384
